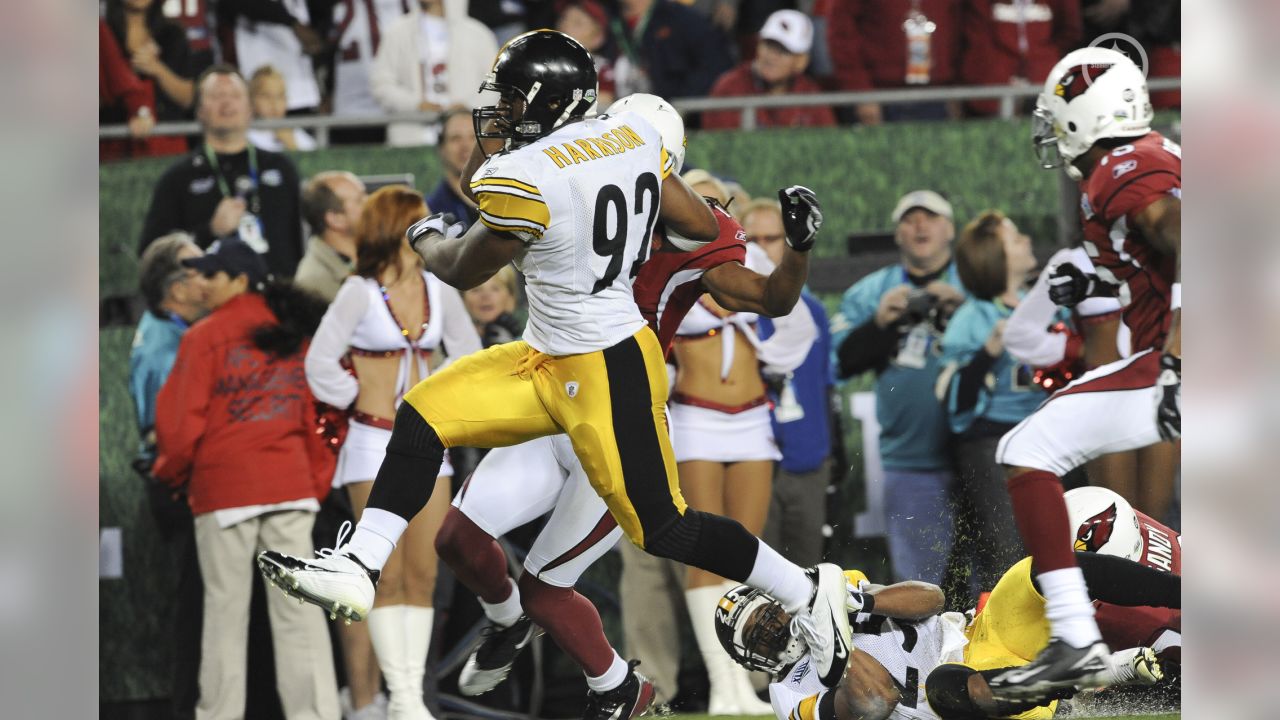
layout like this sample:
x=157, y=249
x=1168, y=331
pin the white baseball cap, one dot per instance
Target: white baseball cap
x=927, y=199
x=791, y=29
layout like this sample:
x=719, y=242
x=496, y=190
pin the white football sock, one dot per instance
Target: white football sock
x=782, y=579
x=375, y=537
x=1067, y=606
x=611, y=678
x=507, y=612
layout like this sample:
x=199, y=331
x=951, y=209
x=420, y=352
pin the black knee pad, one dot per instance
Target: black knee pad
x=947, y=689
x=709, y=542
x=408, y=472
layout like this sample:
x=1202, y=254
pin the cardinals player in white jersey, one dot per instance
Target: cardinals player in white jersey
x=1094, y=119
x=572, y=201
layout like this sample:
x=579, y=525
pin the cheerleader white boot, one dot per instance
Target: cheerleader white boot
x=724, y=690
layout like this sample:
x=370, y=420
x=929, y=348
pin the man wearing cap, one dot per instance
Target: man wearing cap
x=782, y=54
x=891, y=321
x=234, y=427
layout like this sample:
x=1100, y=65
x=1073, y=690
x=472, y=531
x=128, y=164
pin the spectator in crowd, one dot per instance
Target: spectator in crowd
x=228, y=188
x=891, y=321
x=1015, y=43
x=267, y=97
x=667, y=49
x=431, y=59
x=234, y=423
x=358, y=28
x=390, y=317
x=801, y=416
x=782, y=54
x=158, y=58
x=708, y=186
x=587, y=22
x=123, y=96
x=175, y=298
x=985, y=390
x=492, y=305
x=194, y=19
x=331, y=205
x=893, y=44
x=276, y=33
x=508, y=19
x=457, y=138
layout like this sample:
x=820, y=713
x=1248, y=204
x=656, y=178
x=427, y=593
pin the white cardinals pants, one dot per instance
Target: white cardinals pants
x=1108, y=409
x=518, y=484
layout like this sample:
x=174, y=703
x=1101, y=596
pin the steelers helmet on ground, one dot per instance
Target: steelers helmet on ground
x=766, y=643
x=548, y=73
x=1092, y=94
x=1104, y=523
x=664, y=118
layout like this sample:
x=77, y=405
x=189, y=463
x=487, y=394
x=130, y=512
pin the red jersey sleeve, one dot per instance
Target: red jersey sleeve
x=1131, y=177
x=182, y=408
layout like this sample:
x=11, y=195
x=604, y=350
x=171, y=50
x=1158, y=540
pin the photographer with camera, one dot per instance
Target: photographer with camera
x=891, y=322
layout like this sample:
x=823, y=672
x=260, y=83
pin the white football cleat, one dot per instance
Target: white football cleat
x=335, y=581
x=824, y=623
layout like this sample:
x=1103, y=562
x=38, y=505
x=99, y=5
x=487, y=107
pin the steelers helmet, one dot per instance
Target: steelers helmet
x=1092, y=94
x=768, y=644
x=552, y=75
x=1104, y=523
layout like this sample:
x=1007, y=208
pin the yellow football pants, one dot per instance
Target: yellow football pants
x=611, y=403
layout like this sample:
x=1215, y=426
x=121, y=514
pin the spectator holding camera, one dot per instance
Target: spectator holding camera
x=892, y=322
x=227, y=188
x=986, y=390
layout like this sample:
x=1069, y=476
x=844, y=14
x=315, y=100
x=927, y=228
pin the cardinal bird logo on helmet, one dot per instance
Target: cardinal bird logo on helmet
x=1078, y=79
x=1093, y=533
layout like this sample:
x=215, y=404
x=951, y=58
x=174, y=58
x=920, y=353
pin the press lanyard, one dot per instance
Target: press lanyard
x=624, y=38
x=255, y=203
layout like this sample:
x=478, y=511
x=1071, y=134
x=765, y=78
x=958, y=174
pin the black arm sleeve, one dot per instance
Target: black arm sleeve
x=867, y=347
x=971, y=378
x=1121, y=581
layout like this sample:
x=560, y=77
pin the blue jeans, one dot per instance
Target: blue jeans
x=919, y=518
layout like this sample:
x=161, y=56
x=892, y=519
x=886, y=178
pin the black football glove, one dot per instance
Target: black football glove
x=801, y=216
x=443, y=224
x=1169, y=408
x=1069, y=286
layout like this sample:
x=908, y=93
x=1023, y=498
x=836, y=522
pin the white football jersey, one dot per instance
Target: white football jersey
x=359, y=25
x=584, y=199
x=909, y=651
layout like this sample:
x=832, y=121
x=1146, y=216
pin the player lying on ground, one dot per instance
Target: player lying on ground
x=912, y=661
x=1093, y=119
x=573, y=202
x=517, y=484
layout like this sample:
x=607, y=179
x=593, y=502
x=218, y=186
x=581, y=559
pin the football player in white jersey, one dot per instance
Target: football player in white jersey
x=573, y=202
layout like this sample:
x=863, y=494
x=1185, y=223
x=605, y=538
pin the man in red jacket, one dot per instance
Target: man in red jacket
x=782, y=55
x=233, y=424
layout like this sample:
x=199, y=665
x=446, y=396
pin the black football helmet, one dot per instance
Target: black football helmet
x=761, y=640
x=552, y=75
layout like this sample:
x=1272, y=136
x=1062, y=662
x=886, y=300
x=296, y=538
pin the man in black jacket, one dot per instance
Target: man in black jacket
x=226, y=187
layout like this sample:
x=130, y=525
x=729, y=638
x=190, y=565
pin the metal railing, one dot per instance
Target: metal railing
x=1007, y=95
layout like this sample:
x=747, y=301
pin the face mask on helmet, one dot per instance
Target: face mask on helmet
x=543, y=79
x=756, y=632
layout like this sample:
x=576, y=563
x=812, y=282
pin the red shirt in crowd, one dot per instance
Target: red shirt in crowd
x=742, y=81
x=1007, y=40
x=236, y=424
x=869, y=46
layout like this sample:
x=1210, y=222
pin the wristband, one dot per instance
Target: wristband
x=1175, y=296
x=868, y=603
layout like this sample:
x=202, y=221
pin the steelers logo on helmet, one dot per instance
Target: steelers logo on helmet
x=756, y=632
x=543, y=79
